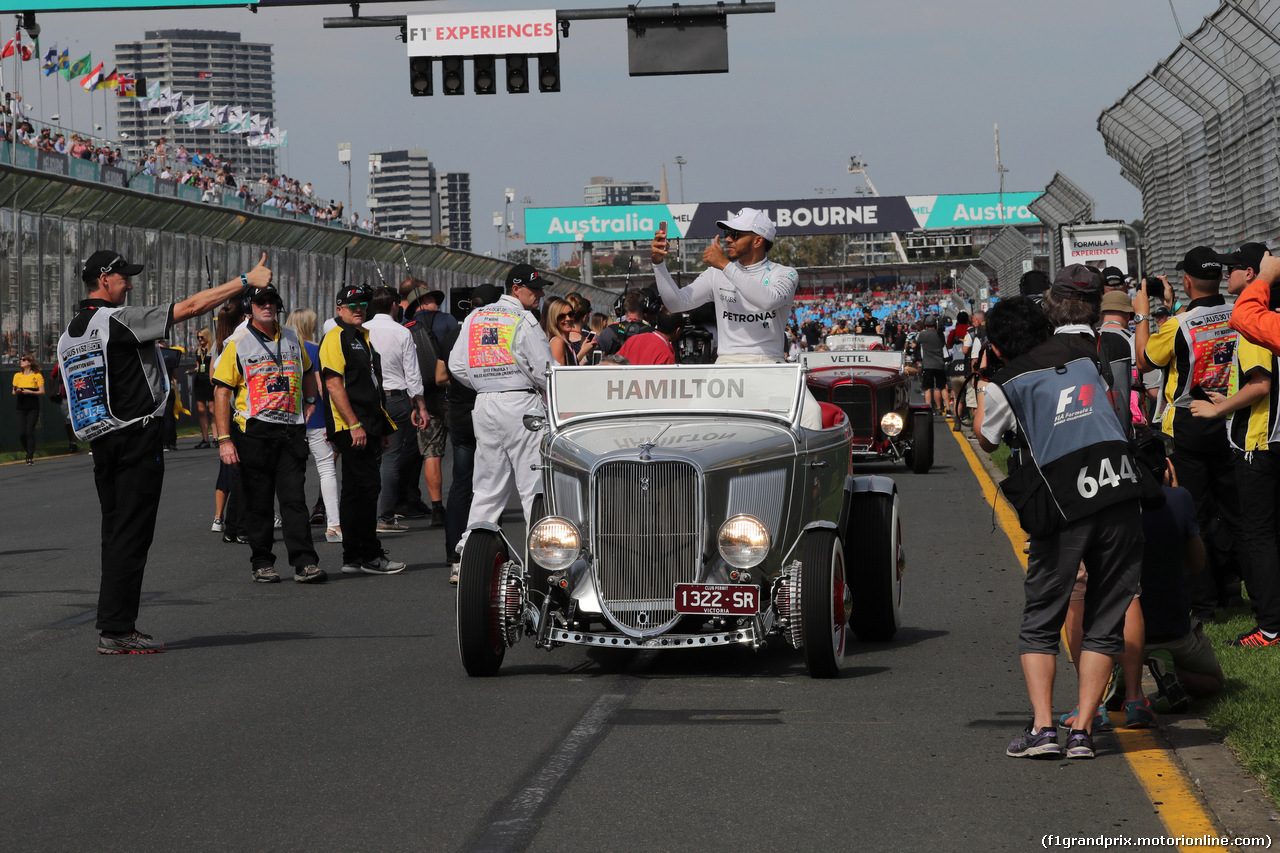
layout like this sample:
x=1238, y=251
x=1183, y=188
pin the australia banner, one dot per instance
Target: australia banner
x=794, y=218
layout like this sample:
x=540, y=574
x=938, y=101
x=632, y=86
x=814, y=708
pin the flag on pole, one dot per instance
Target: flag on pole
x=15, y=45
x=80, y=66
x=50, y=61
x=111, y=81
x=128, y=86
x=64, y=62
x=92, y=79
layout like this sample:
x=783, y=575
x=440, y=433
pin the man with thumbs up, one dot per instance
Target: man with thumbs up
x=752, y=294
x=117, y=390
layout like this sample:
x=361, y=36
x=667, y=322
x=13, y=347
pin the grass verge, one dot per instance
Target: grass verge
x=1247, y=714
x=59, y=448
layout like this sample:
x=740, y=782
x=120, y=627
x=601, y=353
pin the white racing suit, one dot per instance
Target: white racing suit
x=753, y=308
x=503, y=354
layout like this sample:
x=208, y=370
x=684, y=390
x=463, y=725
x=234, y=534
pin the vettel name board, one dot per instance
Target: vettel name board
x=479, y=33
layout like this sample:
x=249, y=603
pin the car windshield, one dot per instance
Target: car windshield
x=762, y=389
x=819, y=360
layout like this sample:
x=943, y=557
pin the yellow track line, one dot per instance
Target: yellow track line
x=1163, y=777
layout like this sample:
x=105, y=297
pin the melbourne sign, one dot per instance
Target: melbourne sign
x=858, y=215
x=478, y=33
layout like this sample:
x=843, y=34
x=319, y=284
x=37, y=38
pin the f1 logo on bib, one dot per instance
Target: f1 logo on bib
x=1077, y=398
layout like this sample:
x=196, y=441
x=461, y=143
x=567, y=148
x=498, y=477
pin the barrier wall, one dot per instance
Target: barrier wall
x=50, y=221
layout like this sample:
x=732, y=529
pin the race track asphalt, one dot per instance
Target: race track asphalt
x=338, y=717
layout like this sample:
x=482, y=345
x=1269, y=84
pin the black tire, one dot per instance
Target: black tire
x=874, y=535
x=537, y=512
x=824, y=600
x=480, y=630
x=921, y=443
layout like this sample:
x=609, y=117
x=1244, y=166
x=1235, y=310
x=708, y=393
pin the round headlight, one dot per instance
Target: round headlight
x=743, y=541
x=891, y=424
x=554, y=543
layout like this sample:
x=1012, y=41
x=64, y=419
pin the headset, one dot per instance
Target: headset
x=652, y=302
x=246, y=300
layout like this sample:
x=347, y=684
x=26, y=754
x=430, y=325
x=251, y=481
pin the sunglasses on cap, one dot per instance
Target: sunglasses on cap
x=118, y=264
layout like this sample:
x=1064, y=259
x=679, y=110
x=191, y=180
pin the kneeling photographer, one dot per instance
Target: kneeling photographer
x=1077, y=495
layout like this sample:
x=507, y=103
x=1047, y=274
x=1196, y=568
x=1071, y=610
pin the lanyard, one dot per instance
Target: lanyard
x=266, y=345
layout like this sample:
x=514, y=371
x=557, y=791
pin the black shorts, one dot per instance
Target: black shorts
x=931, y=378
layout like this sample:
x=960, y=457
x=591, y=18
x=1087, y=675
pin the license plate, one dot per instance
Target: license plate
x=717, y=599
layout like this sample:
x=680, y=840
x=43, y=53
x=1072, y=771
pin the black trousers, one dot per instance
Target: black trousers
x=170, y=422
x=273, y=464
x=404, y=442
x=358, y=502
x=128, y=469
x=1211, y=479
x=27, y=419
x=1258, y=478
x=458, y=507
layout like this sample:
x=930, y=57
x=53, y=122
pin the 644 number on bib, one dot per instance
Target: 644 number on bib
x=1107, y=476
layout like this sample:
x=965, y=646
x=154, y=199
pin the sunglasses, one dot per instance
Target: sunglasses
x=356, y=306
x=737, y=235
x=118, y=264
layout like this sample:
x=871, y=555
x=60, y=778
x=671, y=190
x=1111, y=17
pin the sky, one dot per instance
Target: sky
x=912, y=86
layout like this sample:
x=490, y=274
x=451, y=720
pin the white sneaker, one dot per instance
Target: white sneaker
x=351, y=568
x=380, y=566
x=333, y=534
x=217, y=525
x=454, y=568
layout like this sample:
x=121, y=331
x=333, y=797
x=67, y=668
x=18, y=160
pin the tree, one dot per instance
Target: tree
x=821, y=250
x=534, y=257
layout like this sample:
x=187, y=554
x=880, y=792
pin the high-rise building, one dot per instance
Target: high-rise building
x=407, y=195
x=603, y=191
x=207, y=65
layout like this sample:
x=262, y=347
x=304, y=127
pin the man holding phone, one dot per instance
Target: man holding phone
x=1197, y=347
x=753, y=295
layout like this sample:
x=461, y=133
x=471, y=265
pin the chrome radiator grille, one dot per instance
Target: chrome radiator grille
x=647, y=532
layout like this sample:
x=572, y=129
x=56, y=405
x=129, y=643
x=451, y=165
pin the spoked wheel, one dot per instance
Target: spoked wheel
x=875, y=535
x=921, y=458
x=825, y=602
x=481, y=633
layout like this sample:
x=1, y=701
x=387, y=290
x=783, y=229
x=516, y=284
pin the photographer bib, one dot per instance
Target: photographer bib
x=272, y=377
x=83, y=359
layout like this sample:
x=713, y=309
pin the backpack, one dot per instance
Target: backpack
x=624, y=329
x=429, y=352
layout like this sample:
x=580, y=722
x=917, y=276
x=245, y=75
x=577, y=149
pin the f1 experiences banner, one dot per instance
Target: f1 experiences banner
x=858, y=215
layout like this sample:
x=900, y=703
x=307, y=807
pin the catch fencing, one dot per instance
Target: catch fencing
x=1198, y=135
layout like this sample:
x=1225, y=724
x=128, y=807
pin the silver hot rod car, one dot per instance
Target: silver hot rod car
x=685, y=507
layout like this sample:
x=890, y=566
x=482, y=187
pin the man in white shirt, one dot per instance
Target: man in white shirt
x=402, y=382
x=753, y=295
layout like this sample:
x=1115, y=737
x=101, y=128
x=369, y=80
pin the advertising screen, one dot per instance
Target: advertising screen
x=794, y=217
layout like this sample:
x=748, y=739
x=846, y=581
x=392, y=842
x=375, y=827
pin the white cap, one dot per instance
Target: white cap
x=755, y=221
